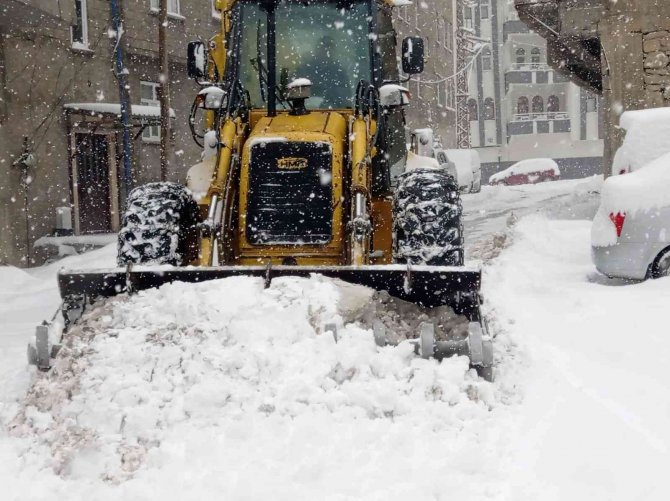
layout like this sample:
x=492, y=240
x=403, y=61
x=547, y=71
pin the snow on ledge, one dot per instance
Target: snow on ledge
x=97, y=240
x=138, y=110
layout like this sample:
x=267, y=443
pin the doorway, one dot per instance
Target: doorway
x=95, y=193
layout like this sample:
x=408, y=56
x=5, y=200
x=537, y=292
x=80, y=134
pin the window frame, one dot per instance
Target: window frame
x=84, y=43
x=154, y=7
x=487, y=59
x=151, y=133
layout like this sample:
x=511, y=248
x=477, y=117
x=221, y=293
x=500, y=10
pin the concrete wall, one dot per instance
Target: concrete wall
x=40, y=71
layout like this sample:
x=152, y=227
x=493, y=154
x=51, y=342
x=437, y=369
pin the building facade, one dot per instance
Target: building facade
x=433, y=92
x=59, y=102
x=520, y=107
x=619, y=49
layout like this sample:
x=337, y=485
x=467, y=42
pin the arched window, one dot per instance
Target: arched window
x=553, y=104
x=520, y=56
x=522, y=105
x=486, y=59
x=489, y=109
x=472, y=109
x=535, y=56
x=538, y=104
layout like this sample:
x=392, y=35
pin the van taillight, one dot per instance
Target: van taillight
x=618, y=220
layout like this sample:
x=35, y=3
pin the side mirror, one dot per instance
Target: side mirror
x=196, y=63
x=412, y=55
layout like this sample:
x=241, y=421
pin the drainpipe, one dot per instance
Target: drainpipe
x=124, y=97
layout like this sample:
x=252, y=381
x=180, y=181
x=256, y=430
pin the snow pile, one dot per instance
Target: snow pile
x=647, y=138
x=228, y=390
x=534, y=166
x=596, y=394
x=415, y=161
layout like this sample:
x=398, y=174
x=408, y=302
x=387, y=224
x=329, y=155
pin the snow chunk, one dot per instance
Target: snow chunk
x=299, y=82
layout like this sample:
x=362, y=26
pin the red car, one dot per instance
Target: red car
x=531, y=171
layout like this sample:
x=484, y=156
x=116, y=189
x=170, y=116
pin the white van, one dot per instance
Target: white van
x=467, y=168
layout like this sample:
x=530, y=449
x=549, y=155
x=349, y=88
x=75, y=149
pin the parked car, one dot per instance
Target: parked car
x=465, y=165
x=630, y=236
x=647, y=138
x=531, y=171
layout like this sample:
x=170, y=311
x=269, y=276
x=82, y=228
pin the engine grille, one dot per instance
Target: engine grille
x=290, y=193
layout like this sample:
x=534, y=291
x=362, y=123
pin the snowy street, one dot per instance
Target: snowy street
x=226, y=390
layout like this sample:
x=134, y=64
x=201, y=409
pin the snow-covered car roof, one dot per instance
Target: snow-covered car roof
x=647, y=138
x=528, y=166
x=643, y=189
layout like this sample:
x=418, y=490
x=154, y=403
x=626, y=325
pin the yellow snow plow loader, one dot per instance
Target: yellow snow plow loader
x=305, y=170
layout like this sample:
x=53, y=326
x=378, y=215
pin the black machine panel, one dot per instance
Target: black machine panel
x=290, y=193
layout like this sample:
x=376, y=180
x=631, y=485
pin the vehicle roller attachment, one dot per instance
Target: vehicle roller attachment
x=426, y=340
x=480, y=351
x=42, y=351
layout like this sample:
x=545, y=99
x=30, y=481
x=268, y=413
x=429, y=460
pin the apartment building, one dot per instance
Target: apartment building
x=59, y=102
x=433, y=92
x=519, y=107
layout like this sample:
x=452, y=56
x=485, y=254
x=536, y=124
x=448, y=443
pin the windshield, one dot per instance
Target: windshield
x=326, y=42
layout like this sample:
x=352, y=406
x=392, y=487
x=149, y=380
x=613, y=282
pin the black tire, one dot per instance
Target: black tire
x=159, y=226
x=661, y=266
x=427, y=222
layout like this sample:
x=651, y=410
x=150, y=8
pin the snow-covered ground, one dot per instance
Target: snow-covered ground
x=227, y=390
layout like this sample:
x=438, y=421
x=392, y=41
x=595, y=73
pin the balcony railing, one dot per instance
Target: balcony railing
x=529, y=67
x=548, y=115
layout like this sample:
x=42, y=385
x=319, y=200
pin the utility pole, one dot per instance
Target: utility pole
x=121, y=74
x=164, y=89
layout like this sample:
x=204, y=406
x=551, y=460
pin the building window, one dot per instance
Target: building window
x=591, y=103
x=79, y=30
x=538, y=104
x=172, y=6
x=520, y=56
x=553, y=104
x=467, y=17
x=489, y=109
x=535, y=56
x=451, y=94
x=149, y=97
x=486, y=59
x=448, y=35
x=440, y=91
x=522, y=106
x=484, y=11
x=472, y=110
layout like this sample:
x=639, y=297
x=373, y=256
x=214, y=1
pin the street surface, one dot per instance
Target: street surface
x=226, y=390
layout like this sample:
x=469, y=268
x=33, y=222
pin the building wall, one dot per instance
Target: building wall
x=433, y=92
x=621, y=49
x=41, y=71
x=571, y=135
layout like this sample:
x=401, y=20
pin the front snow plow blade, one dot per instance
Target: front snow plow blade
x=428, y=287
